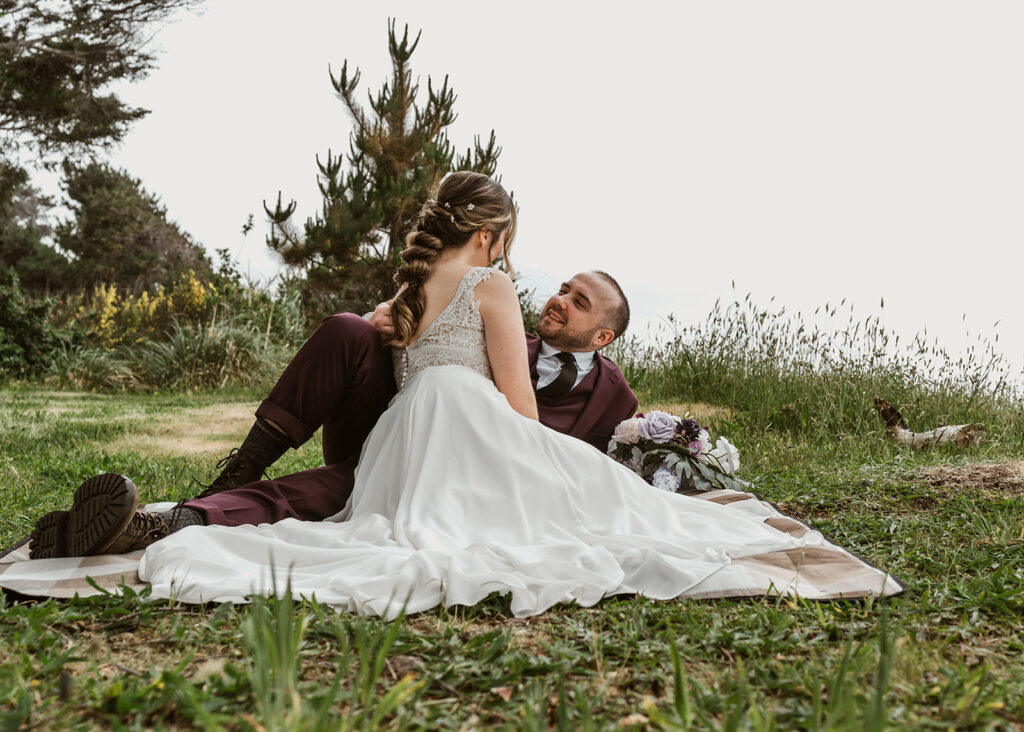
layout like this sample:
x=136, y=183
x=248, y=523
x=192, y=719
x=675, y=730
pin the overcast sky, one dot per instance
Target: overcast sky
x=809, y=151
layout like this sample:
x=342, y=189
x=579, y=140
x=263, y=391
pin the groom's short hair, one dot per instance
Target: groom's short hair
x=617, y=316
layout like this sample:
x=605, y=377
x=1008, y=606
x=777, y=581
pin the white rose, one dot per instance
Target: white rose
x=725, y=455
x=627, y=432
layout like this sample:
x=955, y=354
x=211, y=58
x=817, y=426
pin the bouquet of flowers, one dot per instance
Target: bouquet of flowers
x=669, y=452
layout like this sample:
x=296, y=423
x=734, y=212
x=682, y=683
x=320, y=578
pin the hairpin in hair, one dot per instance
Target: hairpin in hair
x=452, y=218
x=469, y=206
x=447, y=205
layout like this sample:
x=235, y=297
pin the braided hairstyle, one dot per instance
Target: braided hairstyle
x=461, y=205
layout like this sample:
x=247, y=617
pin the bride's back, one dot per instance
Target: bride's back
x=438, y=289
x=451, y=333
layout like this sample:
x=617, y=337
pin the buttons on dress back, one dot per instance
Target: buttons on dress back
x=405, y=369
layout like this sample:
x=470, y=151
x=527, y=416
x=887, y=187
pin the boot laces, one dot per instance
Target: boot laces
x=145, y=526
x=230, y=466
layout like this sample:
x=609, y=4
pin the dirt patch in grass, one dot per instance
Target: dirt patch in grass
x=213, y=429
x=697, y=410
x=998, y=479
x=59, y=410
x=530, y=634
x=135, y=653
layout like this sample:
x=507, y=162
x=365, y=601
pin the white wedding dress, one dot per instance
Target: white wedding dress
x=457, y=496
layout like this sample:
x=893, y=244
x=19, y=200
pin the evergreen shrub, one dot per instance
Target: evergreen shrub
x=28, y=339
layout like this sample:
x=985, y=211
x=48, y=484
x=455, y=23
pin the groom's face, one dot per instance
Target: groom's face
x=573, y=319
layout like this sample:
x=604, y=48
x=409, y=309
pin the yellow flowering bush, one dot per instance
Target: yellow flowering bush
x=187, y=334
x=108, y=318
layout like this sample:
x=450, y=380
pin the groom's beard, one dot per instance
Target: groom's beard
x=564, y=337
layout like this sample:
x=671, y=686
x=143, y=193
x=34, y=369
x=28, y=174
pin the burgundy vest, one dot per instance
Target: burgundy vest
x=592, y=409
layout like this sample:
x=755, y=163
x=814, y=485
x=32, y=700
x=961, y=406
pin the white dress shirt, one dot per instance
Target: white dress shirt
x=548, y=366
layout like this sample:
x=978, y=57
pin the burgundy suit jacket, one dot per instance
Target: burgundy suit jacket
x=592, y=409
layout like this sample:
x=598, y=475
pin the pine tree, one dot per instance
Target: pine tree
x=57, y=60
x=398, y=150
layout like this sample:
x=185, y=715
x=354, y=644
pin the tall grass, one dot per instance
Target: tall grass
x=275, y=633
x=774, y=372
x=851, y=697
x=237, y=347
x=783, y=372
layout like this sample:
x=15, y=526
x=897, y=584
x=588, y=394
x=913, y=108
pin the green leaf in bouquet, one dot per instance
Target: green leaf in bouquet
x=707, y=473
x=715, y=463
x=719, y=479
x=711, y=478
x=701, y=483
x=652, y=460
x=735, y=483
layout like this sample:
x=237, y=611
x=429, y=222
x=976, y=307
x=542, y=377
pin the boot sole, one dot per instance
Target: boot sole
x=48, y=539
x=102, y=508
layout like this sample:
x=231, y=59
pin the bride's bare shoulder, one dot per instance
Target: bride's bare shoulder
x=493, y=280
x=496, y=291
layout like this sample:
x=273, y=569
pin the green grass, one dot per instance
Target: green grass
x=948, y=653
x=797, y=403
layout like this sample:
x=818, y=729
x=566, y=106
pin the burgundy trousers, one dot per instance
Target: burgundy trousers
x=341, y=379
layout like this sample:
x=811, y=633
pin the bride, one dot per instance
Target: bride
x=460, y=491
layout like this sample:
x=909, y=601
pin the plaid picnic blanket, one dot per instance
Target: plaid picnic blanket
x=831, y=571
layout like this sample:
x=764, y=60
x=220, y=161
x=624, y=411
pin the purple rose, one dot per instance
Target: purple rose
x=658, y=426
x=696, y=446
x=690, y=429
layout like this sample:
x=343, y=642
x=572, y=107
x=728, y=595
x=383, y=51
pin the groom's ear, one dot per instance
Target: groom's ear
x=602, y=338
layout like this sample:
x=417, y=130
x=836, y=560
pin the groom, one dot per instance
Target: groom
x=342, y=379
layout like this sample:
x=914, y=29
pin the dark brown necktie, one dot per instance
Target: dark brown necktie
x=565, y=380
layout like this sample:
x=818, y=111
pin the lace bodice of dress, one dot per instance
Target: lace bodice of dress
x=455, y=338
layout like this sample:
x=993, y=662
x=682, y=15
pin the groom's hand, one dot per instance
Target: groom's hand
x=380, y=319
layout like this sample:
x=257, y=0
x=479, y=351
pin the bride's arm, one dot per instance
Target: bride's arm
x=506, y=342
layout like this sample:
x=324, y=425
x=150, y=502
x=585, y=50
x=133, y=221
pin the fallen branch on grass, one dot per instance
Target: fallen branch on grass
x=961, y=435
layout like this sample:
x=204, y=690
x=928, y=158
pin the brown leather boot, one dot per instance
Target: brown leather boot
x=146, y=527
x=236, y=470
x=246, y=464
x=141, y=531
x=100, y=510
